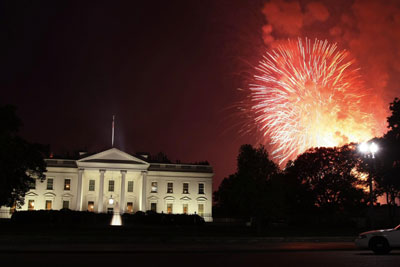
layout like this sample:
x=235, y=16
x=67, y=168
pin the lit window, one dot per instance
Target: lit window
x=67, y=184
x=201, y=188
x=48, y=204
x=185, y=208
x=201, y=210
x=65, y=204
x=32, y=184
x=130, y=186
x=90, y=206
x=153, y=207
x=169, y=208
x=129, y=207
x=185, y=188
x=111, y=186
x=92, y=184
x=154, y=187
x=31, y=204
x=170, y=188
x=49, y=184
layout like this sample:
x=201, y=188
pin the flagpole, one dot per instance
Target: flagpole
x=112, y=133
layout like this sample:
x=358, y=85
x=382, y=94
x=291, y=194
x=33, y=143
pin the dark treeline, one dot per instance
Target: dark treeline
x=322, y=185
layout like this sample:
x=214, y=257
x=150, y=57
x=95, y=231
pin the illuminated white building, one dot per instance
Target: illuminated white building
x=113, y=178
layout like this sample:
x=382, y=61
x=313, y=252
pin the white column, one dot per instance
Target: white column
x=79, y=192
x=143, y=191
x=101, y=192
x=123, y=205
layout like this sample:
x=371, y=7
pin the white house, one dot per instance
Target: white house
x=113, y=178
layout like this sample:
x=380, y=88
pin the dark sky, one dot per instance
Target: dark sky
x=168, y=70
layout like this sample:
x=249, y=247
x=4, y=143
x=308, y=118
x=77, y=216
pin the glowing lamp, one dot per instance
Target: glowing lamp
x=366, y=148
x=111, y=201
x=363, y=147
x=373, y=148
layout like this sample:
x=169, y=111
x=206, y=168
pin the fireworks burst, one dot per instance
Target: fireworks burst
x=308, y=94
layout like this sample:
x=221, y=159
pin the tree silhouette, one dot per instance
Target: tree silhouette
x=160, y=157
x=245, y=193
x=388, y=162
x=20, y=161
x=330, y=174
x=394, y=120
x=288, y=198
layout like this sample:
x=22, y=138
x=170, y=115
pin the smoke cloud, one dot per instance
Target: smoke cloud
x=368, y=29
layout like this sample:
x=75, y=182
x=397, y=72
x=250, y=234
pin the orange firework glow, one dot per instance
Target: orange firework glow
x=308, y=94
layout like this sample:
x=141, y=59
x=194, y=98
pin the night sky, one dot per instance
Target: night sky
x=168, y=70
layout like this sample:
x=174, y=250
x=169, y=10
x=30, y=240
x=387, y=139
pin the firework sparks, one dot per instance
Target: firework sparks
x=308, y=94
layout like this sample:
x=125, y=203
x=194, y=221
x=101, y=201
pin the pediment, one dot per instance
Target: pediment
x=31, y=194
x=67, y=195
x=169, y=198
x=153, y=198
x=186, y=198
x=201, y=199
x=113, y=155
x=49, y=194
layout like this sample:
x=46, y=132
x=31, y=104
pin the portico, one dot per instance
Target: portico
x=109, y=173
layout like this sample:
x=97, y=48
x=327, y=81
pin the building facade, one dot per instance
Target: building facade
x=114, y=179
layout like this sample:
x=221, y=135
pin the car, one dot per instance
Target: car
x=379, y=241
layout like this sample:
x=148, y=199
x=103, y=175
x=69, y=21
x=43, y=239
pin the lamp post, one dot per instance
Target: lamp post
x=369, y=150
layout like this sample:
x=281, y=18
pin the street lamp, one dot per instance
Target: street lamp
x=369, y=150
x=373, y=148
